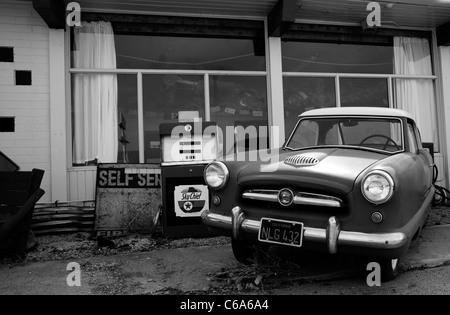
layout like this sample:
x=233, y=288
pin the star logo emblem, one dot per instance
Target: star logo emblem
x=188, y=206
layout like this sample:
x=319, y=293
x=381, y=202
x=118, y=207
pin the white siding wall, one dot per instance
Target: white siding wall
x=444, y=53
x=82, y=182
x=29, y=146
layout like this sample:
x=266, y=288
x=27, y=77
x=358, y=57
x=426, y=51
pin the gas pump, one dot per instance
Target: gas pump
x=186, y=148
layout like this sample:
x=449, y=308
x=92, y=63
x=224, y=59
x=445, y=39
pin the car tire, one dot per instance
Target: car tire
x=389, y=269
x=248, y=252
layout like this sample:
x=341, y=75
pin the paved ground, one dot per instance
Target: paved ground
x=188, y=269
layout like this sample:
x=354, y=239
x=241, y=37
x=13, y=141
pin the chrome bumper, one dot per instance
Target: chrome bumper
x=332, y=236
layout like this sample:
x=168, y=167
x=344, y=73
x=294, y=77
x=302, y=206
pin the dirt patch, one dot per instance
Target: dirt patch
x=81, y=245
x=439, y=216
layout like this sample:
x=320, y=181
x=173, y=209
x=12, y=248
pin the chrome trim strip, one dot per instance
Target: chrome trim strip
x=187, y=163
x=261, y=196
x=317, y=235
x=301, y=198
x=332, y=203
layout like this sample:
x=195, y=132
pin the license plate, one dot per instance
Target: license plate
x=281, y=232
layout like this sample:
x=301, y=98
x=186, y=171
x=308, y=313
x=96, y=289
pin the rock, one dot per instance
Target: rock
x=104, y=242
x=31, y=242
x=258, y=280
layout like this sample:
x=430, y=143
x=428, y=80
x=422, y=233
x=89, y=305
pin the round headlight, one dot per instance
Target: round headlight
x=378, y=187
x=216, y=175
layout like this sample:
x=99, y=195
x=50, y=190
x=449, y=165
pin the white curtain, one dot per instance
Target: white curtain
x=413, y=57
x=95, y=118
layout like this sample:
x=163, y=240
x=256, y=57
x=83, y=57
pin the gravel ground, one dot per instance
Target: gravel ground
x=235, y=279
x=439, y=216
x=81, y=245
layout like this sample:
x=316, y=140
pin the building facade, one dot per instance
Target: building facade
x=83, y=82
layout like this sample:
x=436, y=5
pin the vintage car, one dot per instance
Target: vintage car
x=355, y=181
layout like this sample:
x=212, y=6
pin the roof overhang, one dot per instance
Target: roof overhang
x=397, y=14
x=52, y=12
x=443, y=35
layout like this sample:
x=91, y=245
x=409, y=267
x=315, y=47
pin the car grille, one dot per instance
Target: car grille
x=303, y=201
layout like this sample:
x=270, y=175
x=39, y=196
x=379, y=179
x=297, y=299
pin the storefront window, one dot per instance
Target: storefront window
x=337, y=58
x=367, y=76
x=240, y=101
x=418, y=98
x=173, y=70
x=188, y=53
x=306, y=93
x=361, y=92
x=128, y=124
x=165, y=96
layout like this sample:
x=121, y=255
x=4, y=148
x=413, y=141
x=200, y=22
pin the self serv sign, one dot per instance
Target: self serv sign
x=128, y=198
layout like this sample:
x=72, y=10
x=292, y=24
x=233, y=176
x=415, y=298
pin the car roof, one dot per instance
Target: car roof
x=357, y=111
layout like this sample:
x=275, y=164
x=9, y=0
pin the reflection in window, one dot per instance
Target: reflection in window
x=337, y=58
x=239, y=101
x=128, y=123
x=364, y=92
x=187, y=53
x=302, y=94
x=165, y=96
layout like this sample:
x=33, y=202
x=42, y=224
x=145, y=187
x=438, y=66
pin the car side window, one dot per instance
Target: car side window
x=418, y=138
x=306, y=135
x=413, y=147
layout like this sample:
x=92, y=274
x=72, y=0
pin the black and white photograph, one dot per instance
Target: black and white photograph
x=224, y=155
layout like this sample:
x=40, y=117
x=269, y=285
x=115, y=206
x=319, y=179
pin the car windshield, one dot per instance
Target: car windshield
x=379, y=134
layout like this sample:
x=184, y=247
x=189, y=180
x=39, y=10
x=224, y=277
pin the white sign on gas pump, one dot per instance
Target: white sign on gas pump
x=191, y=200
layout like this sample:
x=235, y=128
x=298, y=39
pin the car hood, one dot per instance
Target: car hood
x=328, y=169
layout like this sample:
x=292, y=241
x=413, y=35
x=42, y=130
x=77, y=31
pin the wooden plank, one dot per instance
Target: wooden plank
x=179, y=26
x=73, y=187
x=258, y=8
x=63, y=217
x=334, y=29
x=172, y=20
x=81, y=184
x=185, y=31
x=347, y=34
x=91, y=177
x=52, y=12
x=58, y=230
x=282, y=17
x=13, y=198
x=443, y=35
x=15, y=180
x=62, y=224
